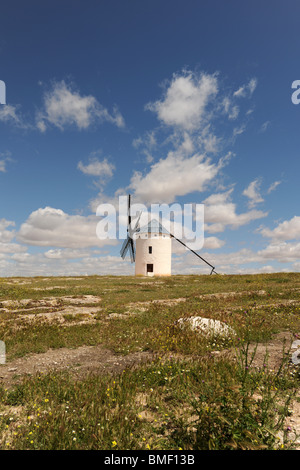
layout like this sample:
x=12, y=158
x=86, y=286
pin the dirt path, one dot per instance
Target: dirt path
x=79, y=362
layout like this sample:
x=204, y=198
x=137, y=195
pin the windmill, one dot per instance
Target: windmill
x=147, y=262
x=128, y=242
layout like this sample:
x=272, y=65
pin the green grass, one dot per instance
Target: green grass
x=164, y=405
x=187, y=398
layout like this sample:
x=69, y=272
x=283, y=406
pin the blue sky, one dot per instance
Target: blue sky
x=172, y=101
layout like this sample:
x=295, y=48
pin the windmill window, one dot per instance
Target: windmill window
x=150, y=249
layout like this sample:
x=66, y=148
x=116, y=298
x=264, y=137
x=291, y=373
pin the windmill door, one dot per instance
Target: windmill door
x=149, y=269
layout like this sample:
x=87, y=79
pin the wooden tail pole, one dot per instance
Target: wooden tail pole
x=213, y=268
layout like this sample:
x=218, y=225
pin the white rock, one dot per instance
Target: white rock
x=207, y=326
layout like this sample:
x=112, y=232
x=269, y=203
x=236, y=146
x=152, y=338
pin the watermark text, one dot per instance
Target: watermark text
x=182, y=222
x=2, y=92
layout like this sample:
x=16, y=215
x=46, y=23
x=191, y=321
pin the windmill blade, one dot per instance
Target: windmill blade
x=128, y=209
x=128, y=245
x=136, y=228
x=124, y=248
x=213, y=268
x=131, y=250
x=138, y=219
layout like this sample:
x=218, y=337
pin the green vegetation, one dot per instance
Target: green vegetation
x=197, y=392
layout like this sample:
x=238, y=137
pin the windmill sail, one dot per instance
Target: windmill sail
x=128, y=244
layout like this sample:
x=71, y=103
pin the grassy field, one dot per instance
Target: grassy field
x=194, y=391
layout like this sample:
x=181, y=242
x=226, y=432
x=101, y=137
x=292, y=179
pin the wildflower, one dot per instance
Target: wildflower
x=114, y=443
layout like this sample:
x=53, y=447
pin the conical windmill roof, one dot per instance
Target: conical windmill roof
x=153, y=227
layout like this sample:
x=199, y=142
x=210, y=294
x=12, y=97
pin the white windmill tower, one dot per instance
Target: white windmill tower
x=153, y=252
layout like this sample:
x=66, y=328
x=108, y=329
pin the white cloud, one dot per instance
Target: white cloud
x=223, y=262
x=273, y=186
x=185, y=100
x=287, y=230
x=246, y=90
x=174, y=176
x=66, y=253
x=39, y=265
x=2, y=166
x=244, y=261
x=64, y=106
x=10, y=114
x=54, y=228
x=253, y=193
x=283, y=252
x=265, y=126
x=95, y=167
x=213, y=243
x=231, y=109
x=252, y=85
x=146, y=145
x=11, y=248
x=20, y=257
x=220, y=212
x=6, y=235
x=4, y=159
x=239, y=130
x=208, y=141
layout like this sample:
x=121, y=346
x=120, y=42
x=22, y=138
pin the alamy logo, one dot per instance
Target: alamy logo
x=296, y=94
x=184, y=222
x=2, y=92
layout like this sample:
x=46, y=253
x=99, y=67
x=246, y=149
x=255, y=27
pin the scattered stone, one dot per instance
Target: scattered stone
x=207, y=326
x=296, y=354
